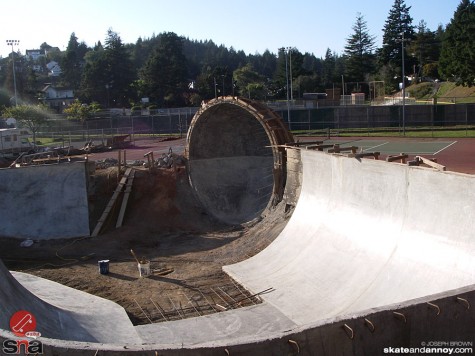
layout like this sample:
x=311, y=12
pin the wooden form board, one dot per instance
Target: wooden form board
x=111, y=203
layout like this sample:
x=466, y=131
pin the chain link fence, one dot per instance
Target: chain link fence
x=373, y=119
x=105, y=127
x=333, y=120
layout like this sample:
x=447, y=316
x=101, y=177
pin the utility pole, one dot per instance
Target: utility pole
x=291, y=84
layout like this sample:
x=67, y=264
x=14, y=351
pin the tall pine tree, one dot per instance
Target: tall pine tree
x=457, y=58
x=72, y=62
x=426, y=48
x=359, y=52
x=398, y=28
x=120, y=73
x=164, y=75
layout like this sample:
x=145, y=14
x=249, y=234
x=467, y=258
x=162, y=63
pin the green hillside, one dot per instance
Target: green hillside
x=446, y=92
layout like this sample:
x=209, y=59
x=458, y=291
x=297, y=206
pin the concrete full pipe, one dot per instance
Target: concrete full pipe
x=236, y=158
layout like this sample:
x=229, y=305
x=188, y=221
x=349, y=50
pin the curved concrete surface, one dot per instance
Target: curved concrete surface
x=366, y=234
x=235, y=166
x=61, y=312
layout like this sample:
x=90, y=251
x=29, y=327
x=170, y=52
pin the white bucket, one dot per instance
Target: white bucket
x=144, y=268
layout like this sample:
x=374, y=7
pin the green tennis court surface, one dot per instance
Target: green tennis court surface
x=395, y=147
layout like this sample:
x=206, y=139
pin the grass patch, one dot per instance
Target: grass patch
x=421, y=91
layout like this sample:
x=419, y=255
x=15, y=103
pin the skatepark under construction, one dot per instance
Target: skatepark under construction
x=376, y=254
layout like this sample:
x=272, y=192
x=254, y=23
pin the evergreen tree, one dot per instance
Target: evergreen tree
x=164, y=75
x=120, y=73
x=94, y=77
x=328, y=72
x=426, y=47
x=397, y=32
x=264, y=64
x=72, y=62
x=359, y=52
x=281, y=84
x=457, y=58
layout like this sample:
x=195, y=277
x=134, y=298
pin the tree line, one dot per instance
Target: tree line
x=174, y=71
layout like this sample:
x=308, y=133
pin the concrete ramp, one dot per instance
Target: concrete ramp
x=44, y=202
x=366, y=234
x=61, y=312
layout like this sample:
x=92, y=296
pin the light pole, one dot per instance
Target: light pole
x=403, y=88
x=287, y=83
x=291, y=84
x=13, y=43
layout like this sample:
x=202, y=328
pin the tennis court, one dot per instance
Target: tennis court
x=386, y=147
x=457, y=154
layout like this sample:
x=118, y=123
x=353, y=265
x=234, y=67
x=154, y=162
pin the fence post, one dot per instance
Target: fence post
x=338, y=118
x=466, y=120
x=367, y=118
x=308, y=115
x=432, y=120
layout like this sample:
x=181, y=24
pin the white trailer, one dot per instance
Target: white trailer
x=13, y=141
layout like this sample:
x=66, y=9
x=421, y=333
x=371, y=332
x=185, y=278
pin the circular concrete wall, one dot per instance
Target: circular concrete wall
x=235, y=162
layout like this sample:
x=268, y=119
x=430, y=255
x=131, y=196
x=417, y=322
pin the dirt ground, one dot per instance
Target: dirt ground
x=164, y=224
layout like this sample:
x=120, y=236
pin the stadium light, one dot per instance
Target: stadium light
x=13, y=43
x=403, y=88
x=285, y=49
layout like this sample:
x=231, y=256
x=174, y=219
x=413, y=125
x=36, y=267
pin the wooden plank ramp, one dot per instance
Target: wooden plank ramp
x=125, y=200
x=111, y=203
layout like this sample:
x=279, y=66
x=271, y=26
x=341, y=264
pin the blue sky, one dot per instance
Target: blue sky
x=249, y=25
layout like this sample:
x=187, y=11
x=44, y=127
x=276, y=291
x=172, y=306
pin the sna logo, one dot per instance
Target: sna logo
x=23, y=324
x=28, y=346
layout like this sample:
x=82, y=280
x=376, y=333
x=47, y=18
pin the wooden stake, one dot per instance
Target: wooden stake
x=135, y=256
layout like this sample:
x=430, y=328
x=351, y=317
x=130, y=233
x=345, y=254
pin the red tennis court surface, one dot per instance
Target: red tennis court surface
x=457, y=154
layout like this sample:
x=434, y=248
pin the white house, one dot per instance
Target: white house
x=34, y=54
x=54, y=70
x=57, y=97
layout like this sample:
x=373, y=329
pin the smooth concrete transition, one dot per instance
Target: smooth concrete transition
x=231, y=327
x=63, y=313
x=44, y=202
x=366, y=234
